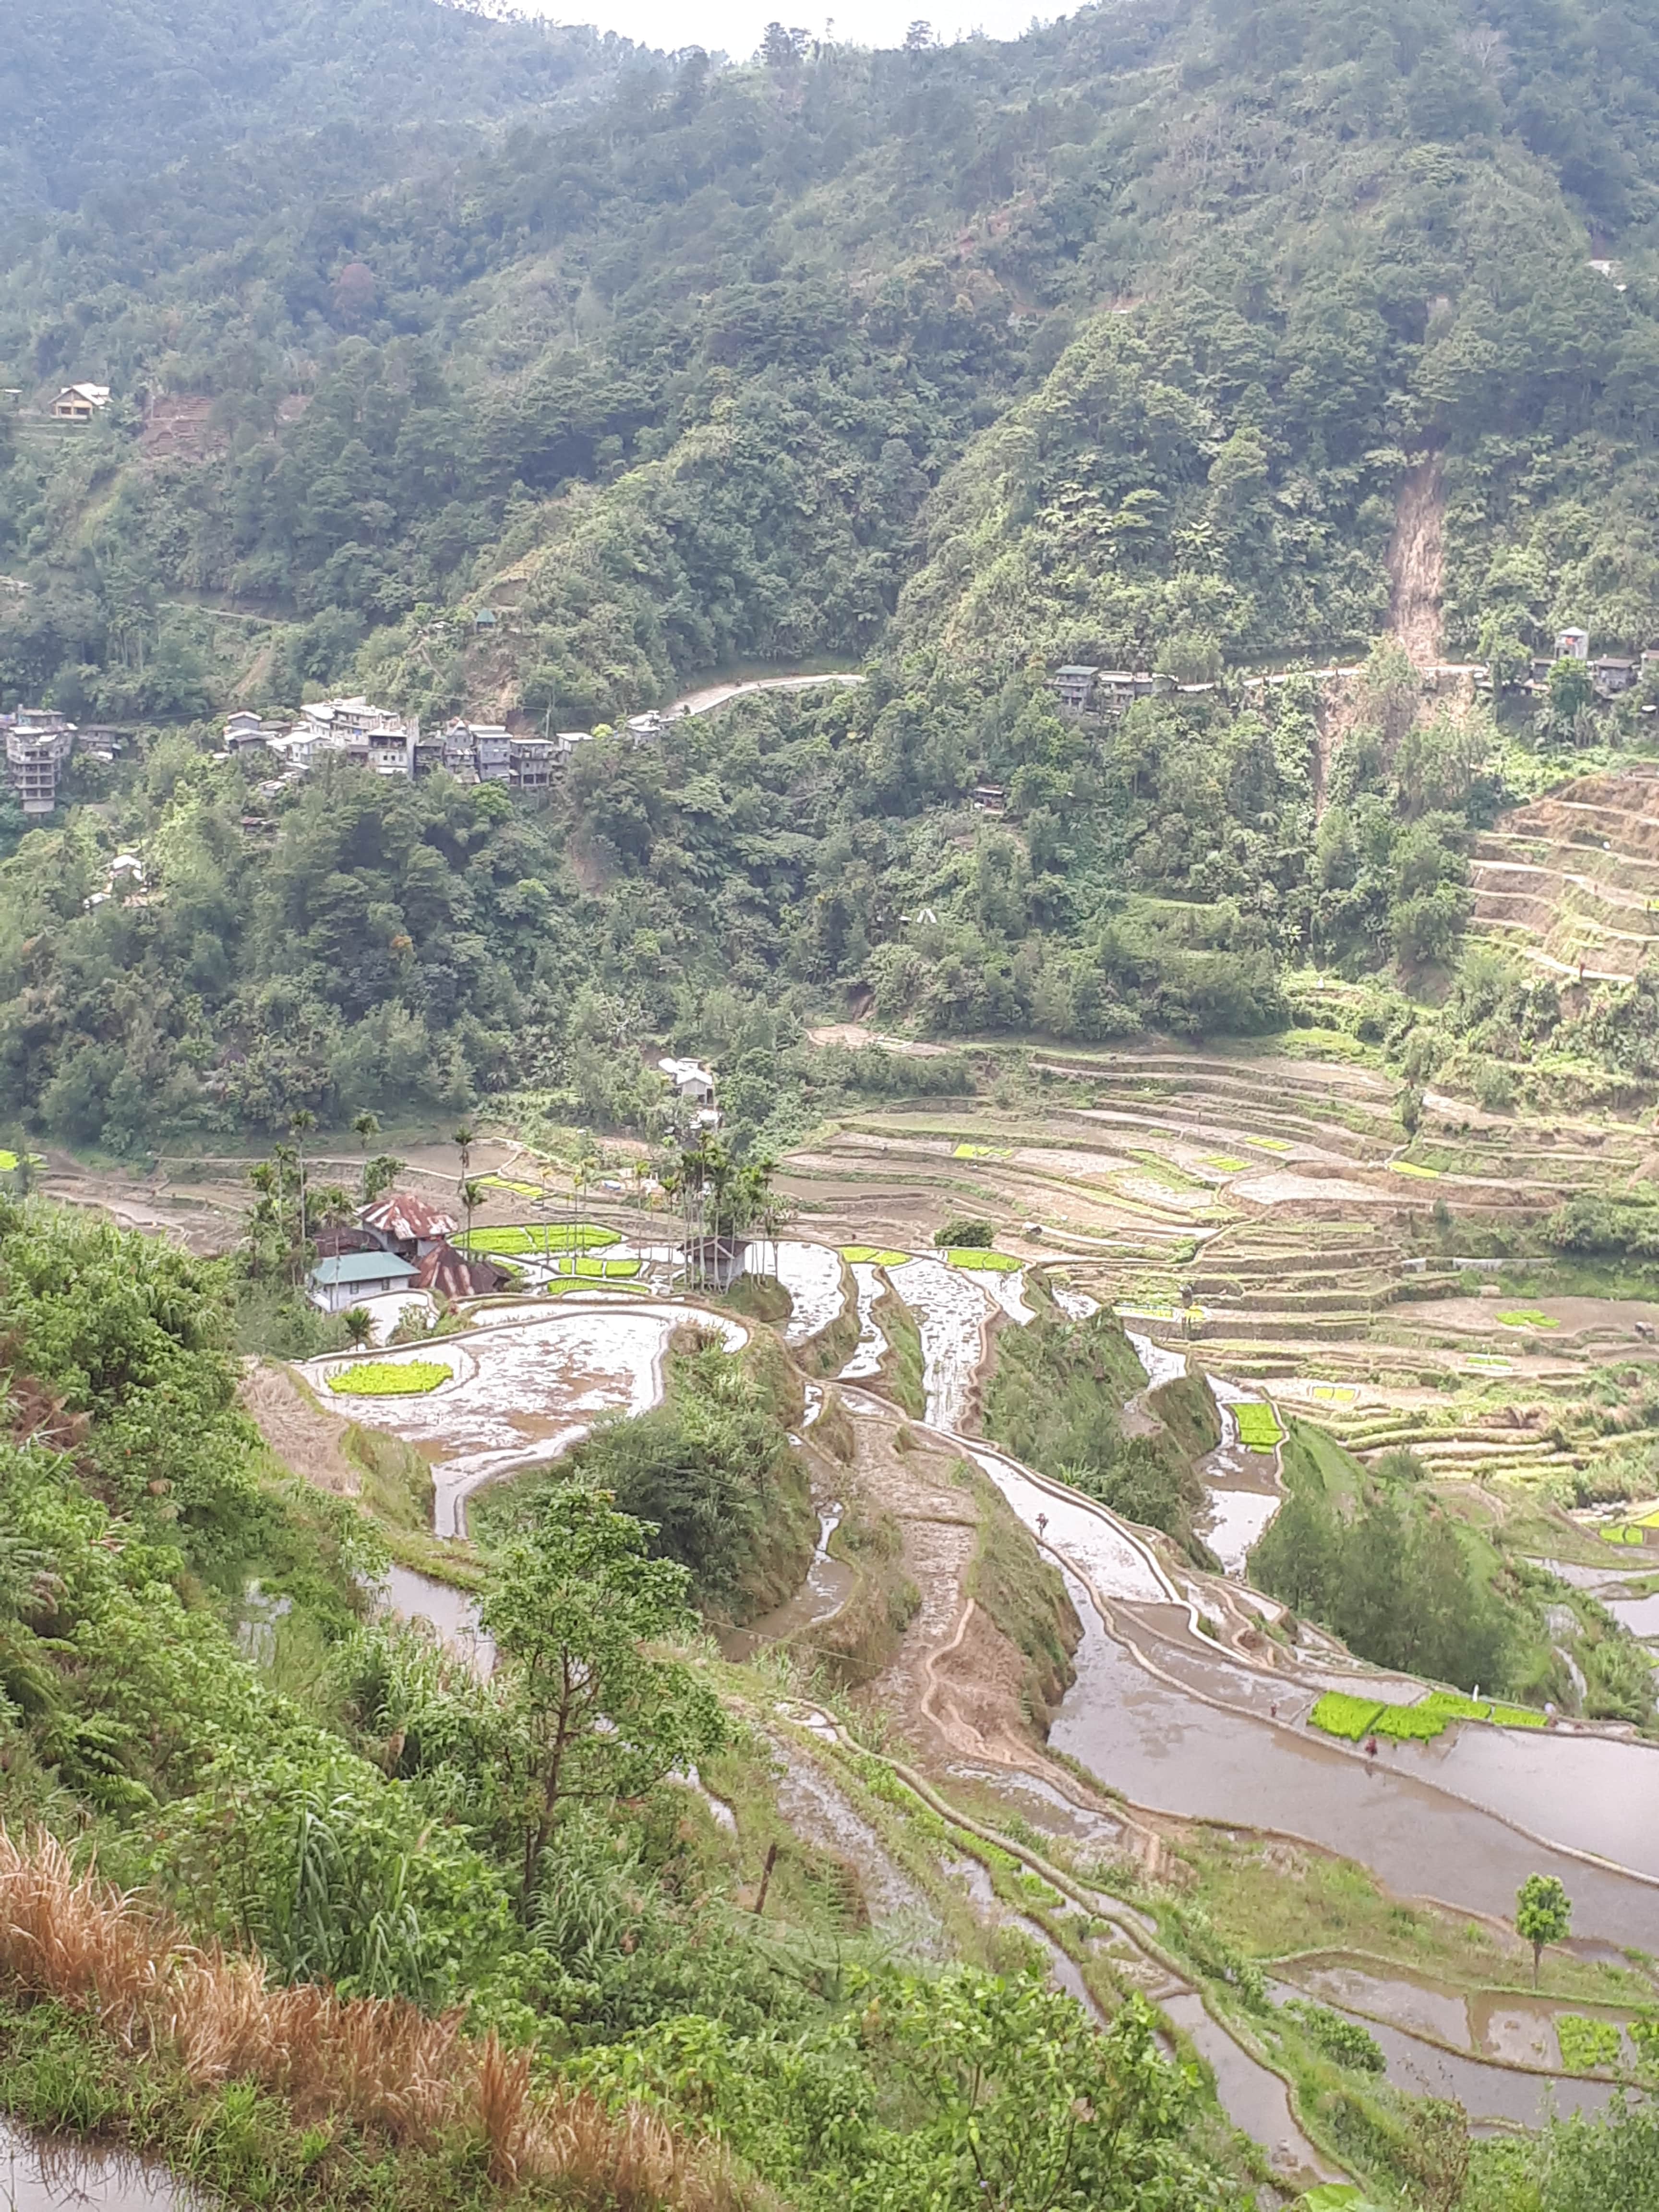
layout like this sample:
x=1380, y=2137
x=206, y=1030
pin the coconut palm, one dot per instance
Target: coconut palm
x=300, y=1123
x=359, y=1326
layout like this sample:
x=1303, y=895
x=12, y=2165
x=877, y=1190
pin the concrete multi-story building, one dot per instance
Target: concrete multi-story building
x=38, y=744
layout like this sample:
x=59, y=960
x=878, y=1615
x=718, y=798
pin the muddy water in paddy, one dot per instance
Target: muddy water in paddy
x=52, y=2174
x=1243, y=1486
x=1253, y=2096
x=527, y=1384
x=950, y=1310
x=828, y=1585
x=1170, y=1751
x=1491, y=2095
x=811, y=1275
x=452, y=1613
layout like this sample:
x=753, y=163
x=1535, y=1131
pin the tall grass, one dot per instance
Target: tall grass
x=394, y=2071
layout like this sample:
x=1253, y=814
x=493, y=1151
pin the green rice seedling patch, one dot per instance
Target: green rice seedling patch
x=9, y=1162
x=1588, y=2046
x=1337, y=1714
x=390, y=1378
x=1170, y=1314
x=515, y=1240
x=508, y=1182
x=982, y=1153
x=1528, y=1317
x=1223, y=1165
x=1412, y=1168
x=1270, y=1144
x=874, y=1256
x=1410, y=1723
x=599, y=1270
x=1488, y=1362
x=969, y=1255
x=1333, y=1394
x=1259, y=1428
x=1166, y=1171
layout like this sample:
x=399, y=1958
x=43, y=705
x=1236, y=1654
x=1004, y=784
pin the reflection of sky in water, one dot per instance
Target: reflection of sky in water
x=866, y=1353
x=811, y=1275
x=950, y=1308
x=1234, y=1518
x=1172, y=1752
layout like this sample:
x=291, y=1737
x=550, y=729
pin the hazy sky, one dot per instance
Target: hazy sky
x=736, y=25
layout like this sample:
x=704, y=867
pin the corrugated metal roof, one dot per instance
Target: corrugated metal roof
x=445, y=1270
x=406, y=1220
x=362, y=1268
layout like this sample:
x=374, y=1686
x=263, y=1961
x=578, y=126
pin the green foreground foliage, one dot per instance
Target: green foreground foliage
x=369, y=1812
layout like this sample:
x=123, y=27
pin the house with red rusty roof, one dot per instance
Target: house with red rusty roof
x=407, y=1226
x=451, y=1274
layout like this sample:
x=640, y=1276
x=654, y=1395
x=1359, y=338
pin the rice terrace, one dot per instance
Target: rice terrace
x=830, y=1108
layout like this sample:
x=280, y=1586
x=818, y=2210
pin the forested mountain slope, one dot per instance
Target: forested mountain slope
x=1125, y=329
x=97, y=96
x=1116, y=343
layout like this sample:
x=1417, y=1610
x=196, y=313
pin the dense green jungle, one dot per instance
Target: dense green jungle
x=1115, y=344
x=500, y=371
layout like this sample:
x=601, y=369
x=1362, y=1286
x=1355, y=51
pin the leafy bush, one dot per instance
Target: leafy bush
x=963, y=1233
x=391, y=1378
x=1343, y=2040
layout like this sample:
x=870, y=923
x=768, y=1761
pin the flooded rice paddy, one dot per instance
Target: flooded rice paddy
x=1243, y=1483
x=452, y=1613
x=1505, y=2070
x=528, y=1382
x=868, y=1352
x=1103, y=1551
x=827, y=1588
x=1253, y=2095
x=1167, y=1750
x=811, y=1275
x=950, y=1310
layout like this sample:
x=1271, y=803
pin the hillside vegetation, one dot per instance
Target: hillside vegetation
x=1120, y=342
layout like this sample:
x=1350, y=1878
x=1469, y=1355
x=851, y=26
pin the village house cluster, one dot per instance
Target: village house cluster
x=1085, y=690
x=389, y=743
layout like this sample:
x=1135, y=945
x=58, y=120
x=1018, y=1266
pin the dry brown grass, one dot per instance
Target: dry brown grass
x=382, y=2063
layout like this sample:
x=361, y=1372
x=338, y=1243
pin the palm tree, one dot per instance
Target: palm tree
x=462, y=1141
x=472, y=1194
x=285, y=1171
x=366, y=1129
x=359, y=1325
x=301, y=1121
